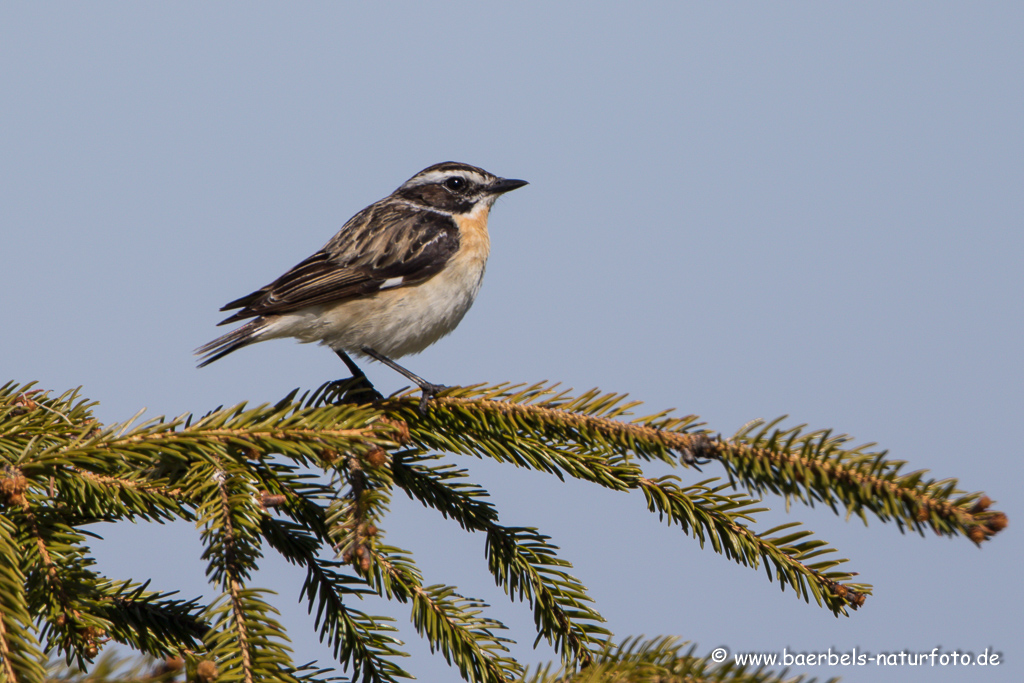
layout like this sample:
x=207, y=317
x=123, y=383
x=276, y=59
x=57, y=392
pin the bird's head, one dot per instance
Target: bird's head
x=454, y=187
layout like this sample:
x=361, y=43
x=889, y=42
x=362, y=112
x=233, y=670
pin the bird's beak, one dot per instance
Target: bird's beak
x=503, y=185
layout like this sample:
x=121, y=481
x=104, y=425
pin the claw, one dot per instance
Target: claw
x=430, y=392
x=354, y=390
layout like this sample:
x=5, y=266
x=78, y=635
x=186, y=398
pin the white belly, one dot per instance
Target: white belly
x=395, y=322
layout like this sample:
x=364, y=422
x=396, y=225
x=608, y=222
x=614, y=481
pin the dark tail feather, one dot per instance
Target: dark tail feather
x=232, y=341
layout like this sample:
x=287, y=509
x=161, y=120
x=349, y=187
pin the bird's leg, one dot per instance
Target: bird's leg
x=429, y=389
x=363, y=385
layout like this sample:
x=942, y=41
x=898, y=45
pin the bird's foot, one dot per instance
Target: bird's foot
x=354, y=391
x=430, y=392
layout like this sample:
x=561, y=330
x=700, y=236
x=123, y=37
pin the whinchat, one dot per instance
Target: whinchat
x=397, y=277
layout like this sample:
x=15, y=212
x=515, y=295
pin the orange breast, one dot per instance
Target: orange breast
x=474, y=240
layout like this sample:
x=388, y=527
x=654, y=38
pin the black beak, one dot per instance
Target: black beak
x=503, y=185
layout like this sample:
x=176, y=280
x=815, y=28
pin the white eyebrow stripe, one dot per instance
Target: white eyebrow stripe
x=440, y=176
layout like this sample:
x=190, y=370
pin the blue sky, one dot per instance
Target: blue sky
x=740, y=210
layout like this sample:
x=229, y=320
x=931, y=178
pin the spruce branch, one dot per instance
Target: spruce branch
x=451, y=623
x=448, y=621
x=251, y=476
x=114, y=667
x=522, y=561
x=232, y=548
x=300, y=434
x=806, y=467
x=20, y=655
x=707, y=514
x=352, y=520
x=443, y=488
x=477, y=428
x=245, y=641
x=698, y=509
x=149, y=621
x=815, y=466
x=60, y=583
x=135, y=495
x=32, y=415
x=547, y=416
x=361, y=642
x=364, y=644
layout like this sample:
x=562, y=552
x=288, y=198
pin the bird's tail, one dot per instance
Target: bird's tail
x=248, y=333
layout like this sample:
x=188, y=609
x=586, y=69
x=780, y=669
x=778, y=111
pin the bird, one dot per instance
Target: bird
x=397, y=277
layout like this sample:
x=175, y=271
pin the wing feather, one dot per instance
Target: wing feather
x=391, y=243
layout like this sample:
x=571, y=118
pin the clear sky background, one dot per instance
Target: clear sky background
x=740, y=210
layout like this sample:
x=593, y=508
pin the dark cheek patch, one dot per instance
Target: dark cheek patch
x=439, y=198
x=433, y=195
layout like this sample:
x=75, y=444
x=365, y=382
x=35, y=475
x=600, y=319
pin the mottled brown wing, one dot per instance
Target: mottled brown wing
x=385, y=245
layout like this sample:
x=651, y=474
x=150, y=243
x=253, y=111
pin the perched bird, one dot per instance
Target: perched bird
x=397, y=277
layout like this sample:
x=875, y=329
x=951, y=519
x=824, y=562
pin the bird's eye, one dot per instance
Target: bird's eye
x=455, y=183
